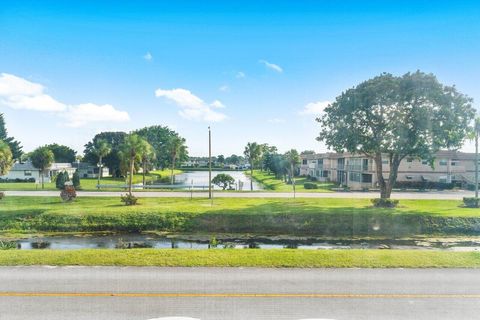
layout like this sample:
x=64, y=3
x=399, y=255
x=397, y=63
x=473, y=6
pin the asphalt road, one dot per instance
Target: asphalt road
x=445, y=195
x=101, y=293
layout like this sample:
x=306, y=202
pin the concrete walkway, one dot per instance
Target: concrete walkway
x=433, y=195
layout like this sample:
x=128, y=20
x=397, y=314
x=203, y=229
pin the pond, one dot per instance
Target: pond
x=127, y=241
x=199, y=179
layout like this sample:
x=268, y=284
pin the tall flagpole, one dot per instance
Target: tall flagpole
x=209, y=163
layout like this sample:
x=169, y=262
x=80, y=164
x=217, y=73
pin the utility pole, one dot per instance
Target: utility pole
x=209, y=163
x=477, y=132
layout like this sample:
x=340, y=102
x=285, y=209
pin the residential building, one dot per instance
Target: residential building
x=25, y=172
x=87, y=170
x=359, y=172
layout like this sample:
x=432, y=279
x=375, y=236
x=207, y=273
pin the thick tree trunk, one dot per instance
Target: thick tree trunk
x=130, y=179
x=386, y=186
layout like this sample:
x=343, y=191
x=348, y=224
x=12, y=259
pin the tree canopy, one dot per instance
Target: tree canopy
x=6, y=159
x=413, y=115
x=160, y=138
x=223, y=180
x=62, y=154
x=15, y=146
x=112, y=160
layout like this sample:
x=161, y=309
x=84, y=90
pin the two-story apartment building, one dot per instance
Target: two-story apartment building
x=359, y=172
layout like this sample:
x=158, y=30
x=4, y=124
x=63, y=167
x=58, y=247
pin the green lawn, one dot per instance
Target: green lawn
x=319, y=217
x=271, y=183
x=244, y=258
x=90, y=184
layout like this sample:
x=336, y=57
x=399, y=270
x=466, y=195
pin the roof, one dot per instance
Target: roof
x=23, y=166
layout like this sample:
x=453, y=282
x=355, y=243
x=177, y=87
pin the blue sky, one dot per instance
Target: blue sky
x=253, y=71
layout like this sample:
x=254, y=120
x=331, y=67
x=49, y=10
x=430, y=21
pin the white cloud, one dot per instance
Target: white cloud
x=82, y=114
x=148, y=56
x=240, y=75
x=315, y=108
x=18, y=93
x=271, y=66
x=276, y=120
x=224, y=88
x=217, y=104
x=191, y=106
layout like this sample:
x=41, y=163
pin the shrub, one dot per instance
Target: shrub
x=424, y=185
x=471, y=202
x=76, y=179
x=60, y=180
x=310, y=185
x=129, y=199
x=384, y=203
x=8, y=245
x=68, y=194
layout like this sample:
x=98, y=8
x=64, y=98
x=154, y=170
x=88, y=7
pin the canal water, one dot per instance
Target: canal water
x=199, y=179
x=126, y=241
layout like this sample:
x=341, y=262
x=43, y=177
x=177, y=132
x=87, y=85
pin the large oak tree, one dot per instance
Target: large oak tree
x=413, y=115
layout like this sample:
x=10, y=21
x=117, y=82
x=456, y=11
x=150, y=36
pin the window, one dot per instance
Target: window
x=320, y=161
x=424, y=162
x=325, y=173
x=455, y=163
x=366, y=178
x=443, y=162
x=384, y=161
x=355, y=176
x=409, y=159
x=27, y=173
x=409, y=177
x=304, y=161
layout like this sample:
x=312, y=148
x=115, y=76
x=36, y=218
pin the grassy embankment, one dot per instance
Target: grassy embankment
x=89, y=184
x=245, y=258
x=271, y=183
x=316, y=217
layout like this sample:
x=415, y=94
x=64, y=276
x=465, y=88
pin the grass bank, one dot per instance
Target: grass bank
x=244, y=258
x=317, y=217
x=271, y=183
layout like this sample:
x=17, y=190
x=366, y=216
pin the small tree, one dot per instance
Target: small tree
x=293, y=160
x=223, y=180
x=60, y=180
x=101, y=149
x=176, y=147
x=6, y=158
x=253, y=153
x=396, y=117
x=76, y=179
x=42, y=158
x=132, y=150
x=147, y=156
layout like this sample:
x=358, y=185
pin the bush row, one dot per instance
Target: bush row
x=16, y=180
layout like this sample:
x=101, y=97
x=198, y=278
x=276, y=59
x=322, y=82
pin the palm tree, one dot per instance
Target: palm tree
x=293, y=159
x=252, y=152
x=6, y=158
x=176, y=147
x=132, y=150
x=42, y=158
x=147, y=155
x=101, y=149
